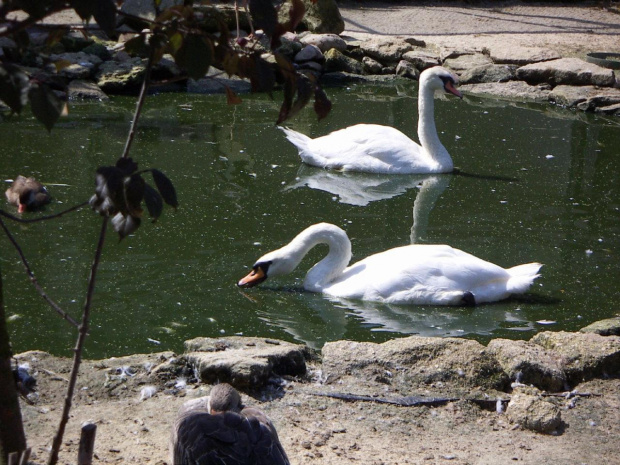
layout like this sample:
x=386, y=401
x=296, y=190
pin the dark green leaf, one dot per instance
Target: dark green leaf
x=127, y=166
x=231, y=97
x=137, y=47
x=165, y=188
x=134, y=193
x=262, y=78
x=36, y=9
x=289, y=76
x=296, y=14
x=231, y=63
x=322, y=105
x=154, y=202
x=46, y=106
x=105, y=15
x=55, y=35
x=13, y=87
x=195, y=55
x=287, y=102
x=304, y=92
x=84, y=8
x=264, y=15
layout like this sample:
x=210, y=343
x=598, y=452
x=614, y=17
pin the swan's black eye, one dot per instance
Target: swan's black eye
x=447, y=80
x=264, y=266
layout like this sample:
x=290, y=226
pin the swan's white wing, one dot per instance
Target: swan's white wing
x=417, y=274
x=366, y=147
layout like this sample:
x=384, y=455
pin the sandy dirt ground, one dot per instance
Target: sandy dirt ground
x=133, y=429
x=318, y=430
x=572, y=30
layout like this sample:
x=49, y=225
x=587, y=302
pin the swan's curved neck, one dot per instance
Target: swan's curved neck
x=427, y=132
x=332, y=264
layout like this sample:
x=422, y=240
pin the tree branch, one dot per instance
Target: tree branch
x=34, y=281
x=42, y=218
x=141, y=98
x=79, y=346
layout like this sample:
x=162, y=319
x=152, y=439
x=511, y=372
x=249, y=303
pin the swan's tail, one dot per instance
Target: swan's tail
x=298, y=139
x=522, y=277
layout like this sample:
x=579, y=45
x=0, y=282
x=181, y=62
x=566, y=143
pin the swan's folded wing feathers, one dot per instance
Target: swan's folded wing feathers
x=363, y=147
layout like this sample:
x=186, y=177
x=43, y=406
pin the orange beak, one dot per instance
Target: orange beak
x=453, y=90
x=256, y=276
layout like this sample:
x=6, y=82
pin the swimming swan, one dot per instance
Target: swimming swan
x=413, y=274
x=218, y=429
x=375, y=148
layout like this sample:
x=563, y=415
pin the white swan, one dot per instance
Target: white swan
x=413, y=274
x=382, y=149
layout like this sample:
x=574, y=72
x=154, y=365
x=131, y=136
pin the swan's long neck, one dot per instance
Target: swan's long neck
x=332, y=264
x=427, y=132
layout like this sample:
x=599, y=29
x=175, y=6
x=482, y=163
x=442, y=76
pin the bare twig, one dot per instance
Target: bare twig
x=42, y=218
x=34, y=281
x=79, y=346
x=136, y=116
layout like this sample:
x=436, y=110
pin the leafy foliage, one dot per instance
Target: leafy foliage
x=177, y=31
x=120, y=191
x=46, y=106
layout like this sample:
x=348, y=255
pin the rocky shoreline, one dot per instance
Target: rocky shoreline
x=556, y=385
x=93, y=68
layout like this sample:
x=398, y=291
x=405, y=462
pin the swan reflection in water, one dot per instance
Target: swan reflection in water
x=360, y=189
x=331, y=319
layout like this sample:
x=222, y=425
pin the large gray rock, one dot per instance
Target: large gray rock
x=289, y=45
x=603, y=100
x=609, y=110
x=325, y=42
x=146, y=8
x=309, y=53
x=372, y=66
x=244, y=362
x=570, y=96
x=464, y=62
x=529, y=363
x=85, y=90
x=512, y=90
x=77, y=65
x=584, y=355
x=488, y=73
x=447, y=53
x=587, y=98
x=337, y=61
x=386, y=50
x=214, y=82
x=608, y=327
x=533, y=412
x=421, y=59
x=408, y=70
x=123, y=77
x=405, y=362
x=322, y=17
x=571, y=71
x=522, y=55
x=337, y=78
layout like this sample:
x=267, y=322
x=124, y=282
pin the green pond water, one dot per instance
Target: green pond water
x=539, y=184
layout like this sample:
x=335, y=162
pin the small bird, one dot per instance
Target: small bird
x=218, y=429
x=27, y=194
